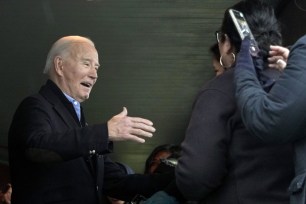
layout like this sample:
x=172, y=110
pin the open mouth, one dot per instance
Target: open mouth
x=86, y=84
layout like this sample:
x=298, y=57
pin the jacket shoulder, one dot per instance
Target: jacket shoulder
x=223, y=83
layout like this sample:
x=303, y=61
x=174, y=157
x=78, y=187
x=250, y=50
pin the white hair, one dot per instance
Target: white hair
x=61, y=46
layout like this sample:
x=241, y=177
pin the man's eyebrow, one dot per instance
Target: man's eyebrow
x=90, y=60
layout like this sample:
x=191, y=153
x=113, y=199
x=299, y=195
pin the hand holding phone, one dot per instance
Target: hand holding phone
x=244, y=30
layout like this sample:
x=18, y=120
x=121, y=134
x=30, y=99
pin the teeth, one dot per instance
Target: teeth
x=86, y=84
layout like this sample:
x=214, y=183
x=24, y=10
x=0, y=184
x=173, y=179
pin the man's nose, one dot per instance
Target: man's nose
x=94, y=73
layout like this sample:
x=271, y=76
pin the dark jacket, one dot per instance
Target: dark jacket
x=221, y=162
x=54, y=158
x=280, y=115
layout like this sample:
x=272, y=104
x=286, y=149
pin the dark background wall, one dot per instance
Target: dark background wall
x=293, y=18
x=154, y=56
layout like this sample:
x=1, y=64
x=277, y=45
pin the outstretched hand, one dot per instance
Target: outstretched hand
x=122, y=127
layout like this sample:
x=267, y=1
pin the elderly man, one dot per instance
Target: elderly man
x=55, y=157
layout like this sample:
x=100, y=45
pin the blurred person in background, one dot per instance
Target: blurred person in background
x=160, y=153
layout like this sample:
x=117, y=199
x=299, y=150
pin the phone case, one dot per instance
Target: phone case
x=244, y=30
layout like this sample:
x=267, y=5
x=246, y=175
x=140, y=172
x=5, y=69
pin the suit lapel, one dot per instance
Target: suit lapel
x=60, y=104
x=67, y=113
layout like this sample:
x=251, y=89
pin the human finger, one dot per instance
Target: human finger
x=274, y=56
x=143, y=126
x=141, y=120
x=278, y=64
x=274, y=59
x=279, y=50
x=136, y=139
x=140, y=133
x=123, y=112
x=282, y=64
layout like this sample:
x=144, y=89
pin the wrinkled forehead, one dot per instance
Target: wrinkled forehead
x=82, y=50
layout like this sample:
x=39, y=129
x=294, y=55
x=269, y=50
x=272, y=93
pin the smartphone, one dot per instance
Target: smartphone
x=244, y=30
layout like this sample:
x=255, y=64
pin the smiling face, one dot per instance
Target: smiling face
x=76, y=70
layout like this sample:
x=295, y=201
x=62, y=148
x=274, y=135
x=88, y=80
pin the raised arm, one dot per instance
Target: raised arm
x=276, y=116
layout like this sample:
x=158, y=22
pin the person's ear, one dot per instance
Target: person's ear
x=227, y=51
x=227, y=47
x=58, y=65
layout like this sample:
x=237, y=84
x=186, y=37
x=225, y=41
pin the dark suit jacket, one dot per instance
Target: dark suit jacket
x=221, y=163
x=280, y=115
x=54, y=158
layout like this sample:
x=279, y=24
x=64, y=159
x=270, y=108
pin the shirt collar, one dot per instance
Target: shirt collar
x=76, y=105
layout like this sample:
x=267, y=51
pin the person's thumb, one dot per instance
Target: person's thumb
x=123, y=113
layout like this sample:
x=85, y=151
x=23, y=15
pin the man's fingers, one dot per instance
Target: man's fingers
x=137, y=134
x=122, y=128
x=143, y=126
x=141, y=120
x=137, y=139
x=140, y=133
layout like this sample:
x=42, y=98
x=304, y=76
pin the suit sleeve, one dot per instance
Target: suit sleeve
x=202, y=164
x=277, y=116
x=44, y=137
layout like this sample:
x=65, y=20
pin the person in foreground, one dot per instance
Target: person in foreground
x=54, y=156
x=220, y=161
x=280, y=115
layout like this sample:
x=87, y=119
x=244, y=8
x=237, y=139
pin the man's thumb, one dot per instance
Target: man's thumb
x=124, y=112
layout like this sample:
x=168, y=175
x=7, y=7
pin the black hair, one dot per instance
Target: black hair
x=262, y=22
x=173, y=149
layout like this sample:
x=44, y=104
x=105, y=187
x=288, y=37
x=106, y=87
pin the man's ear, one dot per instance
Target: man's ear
x=58, y=65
